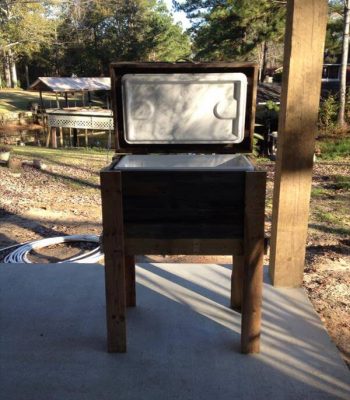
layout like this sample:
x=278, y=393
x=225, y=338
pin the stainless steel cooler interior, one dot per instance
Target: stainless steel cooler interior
x=190, y=162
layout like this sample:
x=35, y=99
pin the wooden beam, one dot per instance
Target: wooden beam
x=41, y=101
x=130, y=283
x=253, y=261
x=75, y=137
x=61, y=135
x=113, y=246
x=184, y=246
x=70, y=137
x=53, y=138
x=303, y=59
x=237, y=283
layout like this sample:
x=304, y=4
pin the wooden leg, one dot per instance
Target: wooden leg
x=61, y=136
x=130, y=281
x=113, y=245
x=53, y=138
x=253, y=261
x=237, y=282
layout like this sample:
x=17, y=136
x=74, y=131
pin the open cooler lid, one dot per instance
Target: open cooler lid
x=183, y=107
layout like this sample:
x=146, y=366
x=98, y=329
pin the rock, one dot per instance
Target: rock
x=15, y=164
x=38, y=164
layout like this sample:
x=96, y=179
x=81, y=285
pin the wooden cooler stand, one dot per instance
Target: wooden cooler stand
x=199, y=211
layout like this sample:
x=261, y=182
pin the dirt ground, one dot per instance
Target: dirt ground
x=63, y=198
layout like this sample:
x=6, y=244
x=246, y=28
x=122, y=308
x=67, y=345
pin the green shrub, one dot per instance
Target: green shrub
x=256, y=146
x=328, y=113
x=333, y=149
x=272, y=106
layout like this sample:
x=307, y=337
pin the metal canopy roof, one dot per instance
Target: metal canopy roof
x=54, y=84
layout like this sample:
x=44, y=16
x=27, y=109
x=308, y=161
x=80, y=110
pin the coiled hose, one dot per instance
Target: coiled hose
x=20, y=255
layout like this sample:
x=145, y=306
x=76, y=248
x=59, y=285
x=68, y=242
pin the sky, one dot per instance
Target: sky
x=178, y=16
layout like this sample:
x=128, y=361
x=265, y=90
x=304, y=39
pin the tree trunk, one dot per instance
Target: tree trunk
x=27, y=76
x=260, y=60
x=7, y=70
x=264, y=62
x=342, y=100
x=14, y=82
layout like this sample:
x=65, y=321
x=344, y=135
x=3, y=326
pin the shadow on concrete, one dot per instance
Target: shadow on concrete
x=183, y=340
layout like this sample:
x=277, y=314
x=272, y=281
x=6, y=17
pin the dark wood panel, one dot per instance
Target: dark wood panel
x=119, y=69
x=209, y=199
x=184, y=246
x=132, y=179
x=173, y=230
x=188, y=215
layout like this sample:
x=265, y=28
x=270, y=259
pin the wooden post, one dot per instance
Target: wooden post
x=66, y=99
x=86, y=138
x=254, y=216
x=57, y=101
x=47, y=130
x=75, y=137
x=53, y=138
x=237, y=282
x=70, y=137
x=130, y=281
x=41, y=101
x=113, y=246
x=61, y=136
x=303, y=59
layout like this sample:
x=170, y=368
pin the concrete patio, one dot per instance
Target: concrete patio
x=183, y=340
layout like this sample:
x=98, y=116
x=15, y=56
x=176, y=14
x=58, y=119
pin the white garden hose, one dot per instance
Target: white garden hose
x=20, y=255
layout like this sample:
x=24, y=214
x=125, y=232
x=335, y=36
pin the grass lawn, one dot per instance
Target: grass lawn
x=75, y=167
x=335, y=149
x=17, y=100
x=74, y=156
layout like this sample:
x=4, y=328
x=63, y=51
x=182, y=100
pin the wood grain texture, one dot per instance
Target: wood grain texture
x=183, y=205
x=237, y=282
x=113, y=246
x=184, y=246
x=253, y=261
x=303, y=59
x=246, y=243
x=130, y=283
x=53, y=138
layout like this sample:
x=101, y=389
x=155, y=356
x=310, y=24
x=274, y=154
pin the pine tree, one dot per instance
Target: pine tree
x=234, y=29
